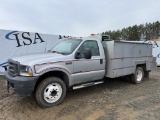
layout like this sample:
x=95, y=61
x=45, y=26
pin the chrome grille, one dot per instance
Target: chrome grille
x=13, y=68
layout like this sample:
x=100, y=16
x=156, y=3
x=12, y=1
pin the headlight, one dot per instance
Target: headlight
x=25, y=71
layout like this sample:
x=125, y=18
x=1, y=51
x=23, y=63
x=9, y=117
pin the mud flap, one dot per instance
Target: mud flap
x=8, y=86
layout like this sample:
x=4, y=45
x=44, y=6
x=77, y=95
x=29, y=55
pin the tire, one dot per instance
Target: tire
x=50, y=92
x=138, y=76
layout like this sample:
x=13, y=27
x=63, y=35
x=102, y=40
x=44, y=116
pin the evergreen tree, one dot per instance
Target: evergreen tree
x=146, y=31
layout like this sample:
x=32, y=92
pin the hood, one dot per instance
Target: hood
x=39, y=58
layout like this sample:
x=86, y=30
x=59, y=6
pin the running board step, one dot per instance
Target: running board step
x=87, y=85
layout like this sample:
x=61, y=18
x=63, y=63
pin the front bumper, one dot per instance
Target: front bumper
x=23, y=86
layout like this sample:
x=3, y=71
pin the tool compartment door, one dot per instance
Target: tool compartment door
x=123, y=58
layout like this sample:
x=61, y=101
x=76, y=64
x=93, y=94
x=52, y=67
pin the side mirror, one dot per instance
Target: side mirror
x=78, y=55
x=87, y=53
x=49, y=51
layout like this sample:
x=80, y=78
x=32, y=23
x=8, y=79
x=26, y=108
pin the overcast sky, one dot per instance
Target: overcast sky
x=76, y=17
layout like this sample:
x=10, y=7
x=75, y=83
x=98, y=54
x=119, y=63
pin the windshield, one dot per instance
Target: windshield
x=66, y=47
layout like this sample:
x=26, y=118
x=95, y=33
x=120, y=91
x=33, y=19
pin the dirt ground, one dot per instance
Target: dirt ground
x=116, y=99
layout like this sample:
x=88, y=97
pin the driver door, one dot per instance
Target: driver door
x=86, y=70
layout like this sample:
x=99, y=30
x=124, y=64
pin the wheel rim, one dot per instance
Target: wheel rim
x=139, y=75
x=52, y=92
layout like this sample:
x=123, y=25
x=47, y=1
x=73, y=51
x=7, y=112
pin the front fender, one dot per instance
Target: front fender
x=41, y=69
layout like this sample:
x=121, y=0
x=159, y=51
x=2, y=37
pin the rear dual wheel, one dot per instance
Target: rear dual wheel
x=138, y=76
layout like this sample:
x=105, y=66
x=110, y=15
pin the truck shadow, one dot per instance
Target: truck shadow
x=108, y=87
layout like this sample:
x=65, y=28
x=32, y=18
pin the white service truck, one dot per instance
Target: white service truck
x=156, y=49
x=77, y=63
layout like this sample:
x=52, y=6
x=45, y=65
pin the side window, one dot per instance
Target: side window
x=92, y=45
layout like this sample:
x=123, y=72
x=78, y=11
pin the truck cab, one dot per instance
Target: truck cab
x=72, y=62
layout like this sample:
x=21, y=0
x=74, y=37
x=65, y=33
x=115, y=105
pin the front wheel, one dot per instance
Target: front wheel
x=138, y=76
x=50, y=92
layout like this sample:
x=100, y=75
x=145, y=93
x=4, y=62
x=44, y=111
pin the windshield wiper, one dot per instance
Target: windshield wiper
x=56, y=52
x=59, y=52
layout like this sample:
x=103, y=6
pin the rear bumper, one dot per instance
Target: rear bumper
x=23, y=86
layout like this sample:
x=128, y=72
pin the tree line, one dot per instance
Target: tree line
x=146, y=31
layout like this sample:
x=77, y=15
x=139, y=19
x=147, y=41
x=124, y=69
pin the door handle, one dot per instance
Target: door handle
x=101, y=61
x=68, y=63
